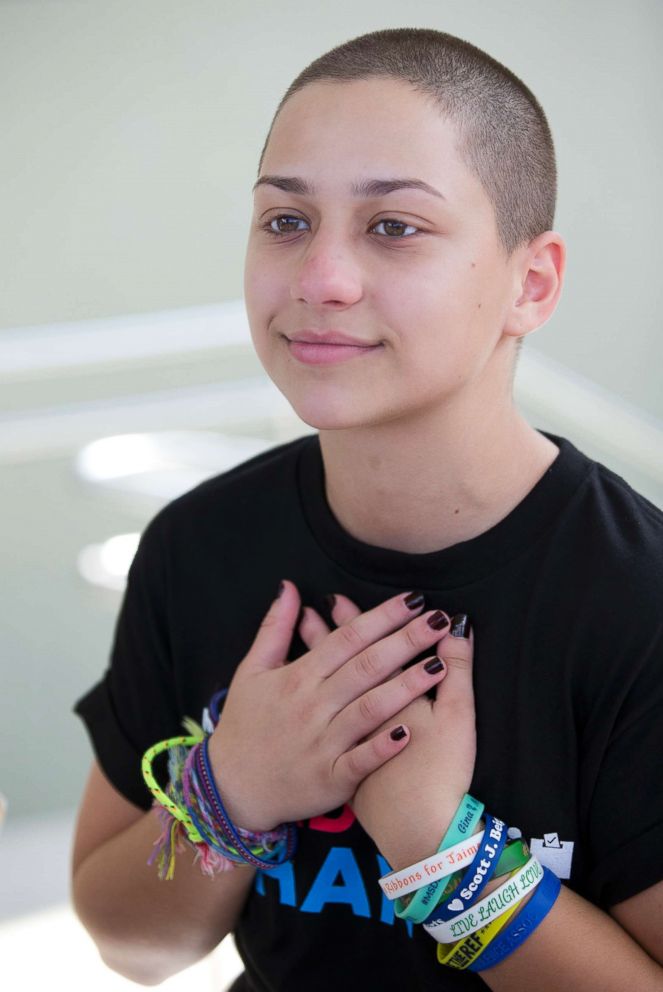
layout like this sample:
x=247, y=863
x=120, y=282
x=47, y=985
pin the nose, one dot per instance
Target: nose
x=328, y=272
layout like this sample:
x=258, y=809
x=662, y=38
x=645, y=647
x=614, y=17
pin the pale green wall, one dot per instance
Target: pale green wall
x=131, y=131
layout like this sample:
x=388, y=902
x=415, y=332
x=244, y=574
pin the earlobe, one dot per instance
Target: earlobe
x=539, y=286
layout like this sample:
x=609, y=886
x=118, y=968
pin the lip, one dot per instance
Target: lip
x=328, y=337
x=328, y=354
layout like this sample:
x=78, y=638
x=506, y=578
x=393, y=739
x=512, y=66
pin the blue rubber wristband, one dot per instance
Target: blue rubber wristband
x=424, y=900
x=478, y=874
x=524, y=923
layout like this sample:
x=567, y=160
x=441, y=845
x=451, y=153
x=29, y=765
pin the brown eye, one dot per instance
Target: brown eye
x=285, y=224
x=395, y=229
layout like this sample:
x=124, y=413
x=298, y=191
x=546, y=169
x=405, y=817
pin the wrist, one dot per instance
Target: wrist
x=407, y=840
x=239, y=794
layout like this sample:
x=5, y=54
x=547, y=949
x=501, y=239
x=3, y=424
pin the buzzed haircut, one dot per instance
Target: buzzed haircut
x=504, y=137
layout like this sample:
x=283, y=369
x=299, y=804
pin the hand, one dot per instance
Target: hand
x=295, y=740
x=407, y=804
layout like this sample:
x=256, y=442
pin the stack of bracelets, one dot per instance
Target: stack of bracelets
x=192, y=811
x=443, y=892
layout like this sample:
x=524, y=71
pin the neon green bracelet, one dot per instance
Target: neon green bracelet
x=163, y=798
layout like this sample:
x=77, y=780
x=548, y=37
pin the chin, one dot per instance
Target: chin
x=326, y=415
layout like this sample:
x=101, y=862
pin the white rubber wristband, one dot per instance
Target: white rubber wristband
x=431, y=869
x=489, y=908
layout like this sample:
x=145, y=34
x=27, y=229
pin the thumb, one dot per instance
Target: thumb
x=457, y=650
x=271, y=643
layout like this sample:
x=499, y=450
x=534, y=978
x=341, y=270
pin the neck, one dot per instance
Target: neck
x=426, y=486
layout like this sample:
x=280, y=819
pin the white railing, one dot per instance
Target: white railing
x=552, y=395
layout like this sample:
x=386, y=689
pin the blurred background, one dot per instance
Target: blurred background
x=130, y=135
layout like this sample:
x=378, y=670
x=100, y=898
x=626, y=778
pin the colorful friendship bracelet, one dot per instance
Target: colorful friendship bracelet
x=202, y=761
x=466, y=816
x=191, y=805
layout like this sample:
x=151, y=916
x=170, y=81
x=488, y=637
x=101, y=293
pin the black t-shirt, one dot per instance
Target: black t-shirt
x=564, y=595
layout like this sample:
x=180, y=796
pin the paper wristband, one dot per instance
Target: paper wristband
x=525, y=923
x=461, y=954
x=466, y=816
x=478, y=874
x=399, y=883
x=489, y=908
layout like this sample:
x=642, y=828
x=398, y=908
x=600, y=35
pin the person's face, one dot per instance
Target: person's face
x=420, y=277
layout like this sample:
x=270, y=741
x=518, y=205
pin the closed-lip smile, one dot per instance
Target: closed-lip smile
x=327, y=347
x=328, y=337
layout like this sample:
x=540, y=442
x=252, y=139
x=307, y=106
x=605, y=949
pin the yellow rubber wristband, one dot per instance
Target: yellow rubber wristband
x=461, y=954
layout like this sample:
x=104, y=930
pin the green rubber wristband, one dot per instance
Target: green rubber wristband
x=425, y=899
x=515, y=854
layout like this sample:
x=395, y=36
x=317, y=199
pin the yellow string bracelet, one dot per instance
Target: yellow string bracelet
x=162, y=797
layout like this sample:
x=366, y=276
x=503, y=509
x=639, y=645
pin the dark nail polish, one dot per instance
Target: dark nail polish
x=433, y=666
x=330, y=600
x=460, y=625
x=398, y=733
x=281, y=588
x=438, y=621
x=414, y=600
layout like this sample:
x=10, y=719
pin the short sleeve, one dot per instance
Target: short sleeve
x=134, y=703
x=627, y=807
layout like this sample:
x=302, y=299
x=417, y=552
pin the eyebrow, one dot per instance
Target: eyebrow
x=366, y=188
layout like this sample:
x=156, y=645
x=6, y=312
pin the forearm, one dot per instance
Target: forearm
x=145, y=928
x=576, y=947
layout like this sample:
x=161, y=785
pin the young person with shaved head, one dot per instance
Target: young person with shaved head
x=436, y=621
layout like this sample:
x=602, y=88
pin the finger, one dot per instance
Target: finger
x=343, y=610
x=362, y=717
x=375, y=664
x=353, y=637
x=353, y=766
x=312, y=628
x=457, y=650
x=271, y=643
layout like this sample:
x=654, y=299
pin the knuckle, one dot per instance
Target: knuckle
x=368, y=709
x=457, y=663
x=414, y=636
x=368, y=666
x=350, y=637
x=354, y=765
x=379, y=749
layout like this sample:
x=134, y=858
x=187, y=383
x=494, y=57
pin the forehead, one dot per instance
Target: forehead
x=340, y=132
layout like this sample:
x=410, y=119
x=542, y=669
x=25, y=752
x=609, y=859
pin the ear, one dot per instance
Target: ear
x=537, y=284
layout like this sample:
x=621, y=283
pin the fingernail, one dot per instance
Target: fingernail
x=280, y=590
x=330, y=600
x=414, y=600
x=433, y=666
x=437, y=620
x=398, y=733
x=460, y=625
